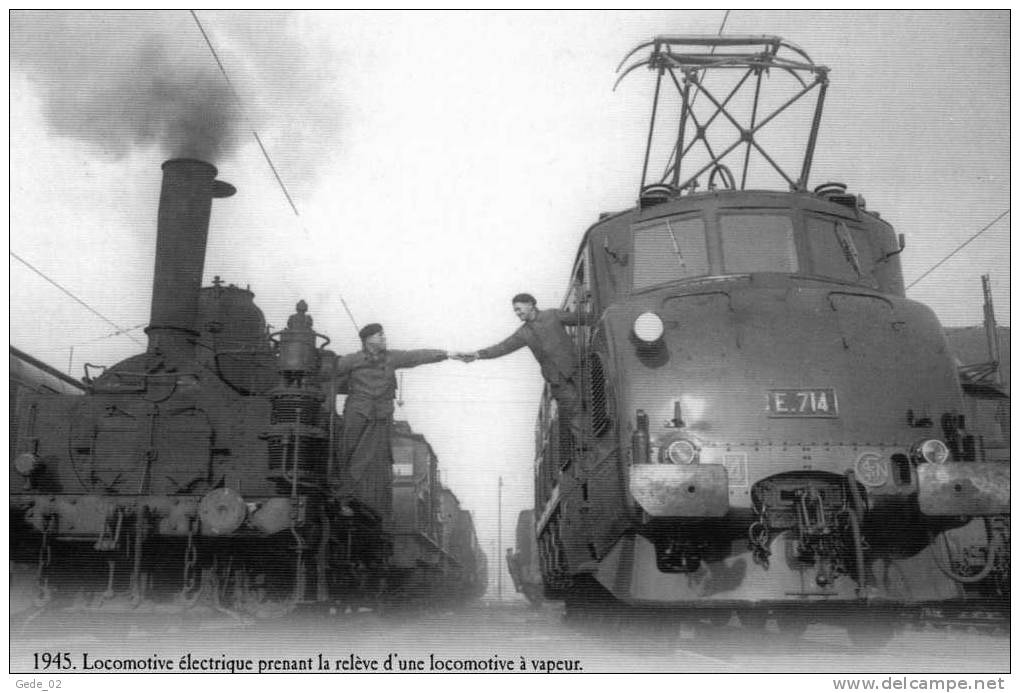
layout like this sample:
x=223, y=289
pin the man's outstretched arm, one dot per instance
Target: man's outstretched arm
x=416, y=357
x=507, y=346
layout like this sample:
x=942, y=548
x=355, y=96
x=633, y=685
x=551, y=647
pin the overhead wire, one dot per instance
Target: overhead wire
x=265, y=154
x=114, y=334
x=258, y=140
x=237, y=98
x=120, y=330
x=959, y=248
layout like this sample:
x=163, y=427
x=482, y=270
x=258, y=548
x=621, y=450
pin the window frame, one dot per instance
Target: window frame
x=796, y=246
x=706, y=234
x=857, y=231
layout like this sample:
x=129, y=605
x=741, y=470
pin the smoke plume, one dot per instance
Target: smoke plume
x=129, y=81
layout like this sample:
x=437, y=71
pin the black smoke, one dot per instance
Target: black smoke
x=130, y=81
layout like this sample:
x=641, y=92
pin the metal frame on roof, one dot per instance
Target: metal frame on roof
x=692, y=56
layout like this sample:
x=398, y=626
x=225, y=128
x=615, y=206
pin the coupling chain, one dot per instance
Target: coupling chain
x=758, y=539
x=811, y=518
x=190, y=560
x=45, y=556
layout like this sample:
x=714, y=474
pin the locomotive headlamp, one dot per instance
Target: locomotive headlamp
x=26, y=463
x=648, y=327
x=934, y=451
x=271, y=516
x=221, y=511
x=680, y=452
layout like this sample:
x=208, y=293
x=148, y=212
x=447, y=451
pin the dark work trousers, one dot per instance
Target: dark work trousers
x=568, y=404
x=366, y=461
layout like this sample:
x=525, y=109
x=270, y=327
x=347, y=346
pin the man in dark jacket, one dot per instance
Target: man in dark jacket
x=543, y=332
x=368, y=377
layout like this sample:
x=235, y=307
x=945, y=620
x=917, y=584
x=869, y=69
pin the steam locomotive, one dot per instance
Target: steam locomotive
x=774, y=428
x=200, y=470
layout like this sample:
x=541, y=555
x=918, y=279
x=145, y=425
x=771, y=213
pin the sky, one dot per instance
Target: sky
x=441, y=162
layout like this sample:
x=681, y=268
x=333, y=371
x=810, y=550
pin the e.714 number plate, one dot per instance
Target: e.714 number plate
x=807, y=402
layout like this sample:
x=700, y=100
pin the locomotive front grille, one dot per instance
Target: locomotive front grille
x=297, y=408
x=296, y=443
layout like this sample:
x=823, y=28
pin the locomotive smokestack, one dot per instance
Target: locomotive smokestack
x=182, y=229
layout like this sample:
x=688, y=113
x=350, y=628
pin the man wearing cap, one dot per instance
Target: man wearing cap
x=368, y=378
x=543, y=332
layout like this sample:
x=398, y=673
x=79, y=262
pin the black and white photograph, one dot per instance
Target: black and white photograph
x=486, y=342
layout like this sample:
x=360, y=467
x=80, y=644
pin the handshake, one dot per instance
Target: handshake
x=465, y=356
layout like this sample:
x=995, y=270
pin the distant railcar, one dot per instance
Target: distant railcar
x=461, y=542
x=986, y=396
x=435, y=549
x=28, y=374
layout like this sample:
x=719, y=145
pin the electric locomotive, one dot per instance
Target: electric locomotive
x=201, y=470
x=774, y=428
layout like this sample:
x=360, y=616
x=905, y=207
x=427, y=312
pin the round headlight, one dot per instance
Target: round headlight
x=681, y=452
x=25, y=463
x=272, y=516
x=222, y=511
x=648, y=327
x=934, y=451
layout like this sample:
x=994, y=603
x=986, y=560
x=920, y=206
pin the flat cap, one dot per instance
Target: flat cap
x=369, y=330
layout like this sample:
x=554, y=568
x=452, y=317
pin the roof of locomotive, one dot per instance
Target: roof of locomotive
x=31, y=372
x=612, y=230
x=736, y=199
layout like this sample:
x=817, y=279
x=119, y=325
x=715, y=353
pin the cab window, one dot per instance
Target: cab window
x=839, y=250
x=668, y=250
x=757, y=243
